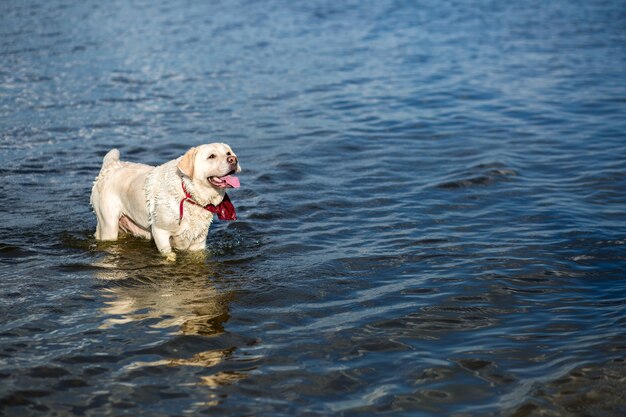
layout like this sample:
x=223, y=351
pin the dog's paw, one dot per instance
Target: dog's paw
x=169, y=256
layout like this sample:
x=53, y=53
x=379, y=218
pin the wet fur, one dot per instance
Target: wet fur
x=144, y=200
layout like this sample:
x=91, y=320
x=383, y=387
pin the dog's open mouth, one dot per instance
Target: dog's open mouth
x=227, y=181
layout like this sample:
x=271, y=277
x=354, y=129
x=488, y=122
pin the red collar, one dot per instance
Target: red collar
x=224, y=210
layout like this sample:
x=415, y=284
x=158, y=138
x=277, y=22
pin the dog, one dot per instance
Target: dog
x=172, y=203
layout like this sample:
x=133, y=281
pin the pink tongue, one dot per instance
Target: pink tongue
x=232, y=181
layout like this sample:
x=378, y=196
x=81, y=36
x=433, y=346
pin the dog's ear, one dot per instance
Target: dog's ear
x=186, y=164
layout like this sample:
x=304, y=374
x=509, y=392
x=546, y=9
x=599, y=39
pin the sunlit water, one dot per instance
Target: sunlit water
x=431, y=219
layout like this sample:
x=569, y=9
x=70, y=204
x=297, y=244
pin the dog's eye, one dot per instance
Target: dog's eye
x=212, y=156
x=228, y=153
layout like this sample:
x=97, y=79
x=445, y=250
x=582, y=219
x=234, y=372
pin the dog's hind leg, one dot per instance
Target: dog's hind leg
x=107, y=229
x=108, y=222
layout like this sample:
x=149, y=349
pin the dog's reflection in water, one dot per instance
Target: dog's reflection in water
x=140, y=286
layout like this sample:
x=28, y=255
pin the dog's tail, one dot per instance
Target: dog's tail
x=110, y=158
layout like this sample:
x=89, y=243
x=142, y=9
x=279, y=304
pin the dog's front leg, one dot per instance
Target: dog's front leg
x=162, y=240
x=199, y=244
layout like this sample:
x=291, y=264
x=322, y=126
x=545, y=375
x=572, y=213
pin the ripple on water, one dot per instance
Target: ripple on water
x=479, y=175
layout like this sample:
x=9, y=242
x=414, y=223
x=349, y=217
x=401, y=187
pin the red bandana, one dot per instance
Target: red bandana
x=224, y=210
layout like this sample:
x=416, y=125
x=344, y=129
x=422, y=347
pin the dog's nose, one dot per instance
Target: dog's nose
x=232, y=160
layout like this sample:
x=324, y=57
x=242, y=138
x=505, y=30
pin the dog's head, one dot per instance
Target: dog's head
x=213, y=164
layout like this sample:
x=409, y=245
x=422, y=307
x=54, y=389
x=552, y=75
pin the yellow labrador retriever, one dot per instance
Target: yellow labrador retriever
x=173, y=203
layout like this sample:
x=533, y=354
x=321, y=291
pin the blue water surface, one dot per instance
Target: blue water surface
x=431, y=219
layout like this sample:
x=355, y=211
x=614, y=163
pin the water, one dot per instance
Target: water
x=431, y=214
